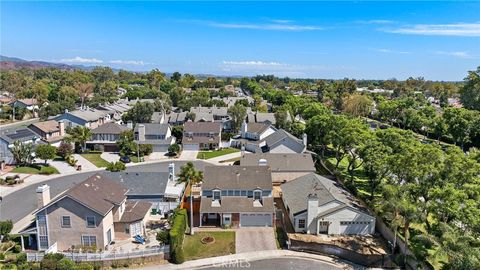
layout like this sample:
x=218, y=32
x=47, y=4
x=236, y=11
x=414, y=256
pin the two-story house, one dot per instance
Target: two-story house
x=94, y=213
x=87, y=117
x=317, y=205
x=212, y=114
x=238, y=196
x=50, y=131
x=201, y=135
x=105, y=137
x=157, y=135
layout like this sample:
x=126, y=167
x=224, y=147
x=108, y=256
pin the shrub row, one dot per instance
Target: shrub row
x=177, y=233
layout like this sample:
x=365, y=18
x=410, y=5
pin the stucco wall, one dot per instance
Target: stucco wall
x=66, y=237
x=349, y=215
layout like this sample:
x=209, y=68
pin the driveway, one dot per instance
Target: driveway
x=189, y=155
x=254, y=239
x=110, y=157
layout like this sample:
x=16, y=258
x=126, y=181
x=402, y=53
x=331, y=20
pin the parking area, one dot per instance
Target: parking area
x=189, y=155
x=254, y=239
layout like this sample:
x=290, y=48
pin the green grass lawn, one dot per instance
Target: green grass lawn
x=35, y=169
x=95, y=159
x=194, y=249
x=216, y=153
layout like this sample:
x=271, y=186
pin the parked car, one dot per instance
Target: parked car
x=125, y=159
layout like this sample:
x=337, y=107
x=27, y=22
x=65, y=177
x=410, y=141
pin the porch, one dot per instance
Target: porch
x=219, y=220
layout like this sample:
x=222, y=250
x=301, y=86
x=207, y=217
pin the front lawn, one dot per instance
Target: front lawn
x=224, y=244
x=216, y=153
x=95, y=159
x=35, y=169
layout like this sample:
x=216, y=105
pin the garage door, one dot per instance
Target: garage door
x=256, y=220
x=160, y=148
x=354, y=227
x=191, y=146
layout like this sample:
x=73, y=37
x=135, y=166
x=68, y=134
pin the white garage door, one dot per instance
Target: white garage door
x=256, y=220
x=136, y=229
x=191, y=146
x=354, y=227
x=160, y=148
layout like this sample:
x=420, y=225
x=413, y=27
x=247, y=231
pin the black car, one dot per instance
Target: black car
x=125, y=159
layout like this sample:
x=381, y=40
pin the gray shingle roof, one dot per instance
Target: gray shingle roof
x=281, y=162
x=88, y=115
x=237, y=177
x=141, y=183
x=99, y=193
x=295, y=192
x=236, y=205
x=202, y=127
x=110, y=128
x=22, y=135
x=135, y=210
x=153, y=129
x=281, y=135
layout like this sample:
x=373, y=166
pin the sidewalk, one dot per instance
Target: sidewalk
x=251, y=256
x=216, y=160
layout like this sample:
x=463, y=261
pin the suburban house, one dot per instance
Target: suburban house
x=116, y=110
x=94, y=213
x=237, y=196
x=279, y=141
x=50, y=131
x=158, y=118
x=88, y=117
x=176, y=118
x=256, y=131
x=201, y=135
x=212, y=114
x=230, y=101
x=157, y=135
x=161, y=189
x=261, y=117
x=284, y=167
x=7, y=140
x=105, y=137
x=30, y=104
x=317, y=205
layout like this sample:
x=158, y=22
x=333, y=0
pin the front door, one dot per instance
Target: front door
x=227, y=219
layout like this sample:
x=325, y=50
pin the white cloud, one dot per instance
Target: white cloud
x=391, y=51
x=82, y=60
x=456, y=29
x=279, y=26
x=458, y=54
x=128, y=62
x=253, y=63
x=281, y=21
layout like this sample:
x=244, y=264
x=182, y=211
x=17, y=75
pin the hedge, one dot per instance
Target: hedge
x=177, y=233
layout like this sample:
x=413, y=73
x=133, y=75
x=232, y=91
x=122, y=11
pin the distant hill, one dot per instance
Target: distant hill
x=12, y=63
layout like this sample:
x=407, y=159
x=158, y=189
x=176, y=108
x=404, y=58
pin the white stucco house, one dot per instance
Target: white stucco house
x=317, y=205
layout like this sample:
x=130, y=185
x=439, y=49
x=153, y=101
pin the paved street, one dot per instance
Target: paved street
x=19, y=204
x=275, y=264
x=254, y=239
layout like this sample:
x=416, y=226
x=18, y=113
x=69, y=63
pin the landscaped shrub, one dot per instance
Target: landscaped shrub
x=11, y=182
x=65, y=150
x=177, y=233
x=21, y=258
x=66, y=264
x=71, y=160
x=163, y=237
x=145, y=149
x=116, y=166
x=84, y=266
x=47, y=170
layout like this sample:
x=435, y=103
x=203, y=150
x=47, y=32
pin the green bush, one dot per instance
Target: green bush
x=17, y=249
x=116, y=166
x=2, y=256
x=47, y=170
x=22, y=258
x=84, y=266
x=163, y=237
x=11, y=182
x=177, y=233
x=145, y=149
x=66, y=264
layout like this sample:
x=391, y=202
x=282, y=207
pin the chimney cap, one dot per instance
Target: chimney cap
x=42, y=188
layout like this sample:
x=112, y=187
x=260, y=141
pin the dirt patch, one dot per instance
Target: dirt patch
x=361, y=244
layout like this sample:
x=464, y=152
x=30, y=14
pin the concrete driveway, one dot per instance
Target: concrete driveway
x=254, y=239
x=110, y=157
x=189, y=155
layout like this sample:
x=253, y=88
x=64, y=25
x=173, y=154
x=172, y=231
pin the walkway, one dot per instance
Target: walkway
x=86, y=165
x=251, y=257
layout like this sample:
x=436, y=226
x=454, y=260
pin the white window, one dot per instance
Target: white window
x=91, y=222
x=257, y=195
x=89, y=240
x=66, y=222
x=216, y=195
x=301, y=223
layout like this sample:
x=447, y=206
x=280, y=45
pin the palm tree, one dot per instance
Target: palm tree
x=190, y=176
x=80, y=135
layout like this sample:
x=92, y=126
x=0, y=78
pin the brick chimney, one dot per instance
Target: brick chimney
x=141, y=132
x=61, y=127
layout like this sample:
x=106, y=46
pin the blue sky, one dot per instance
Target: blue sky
x=371, y=40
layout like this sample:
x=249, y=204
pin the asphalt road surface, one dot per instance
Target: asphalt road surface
x=275, y=264
x=19, y=204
